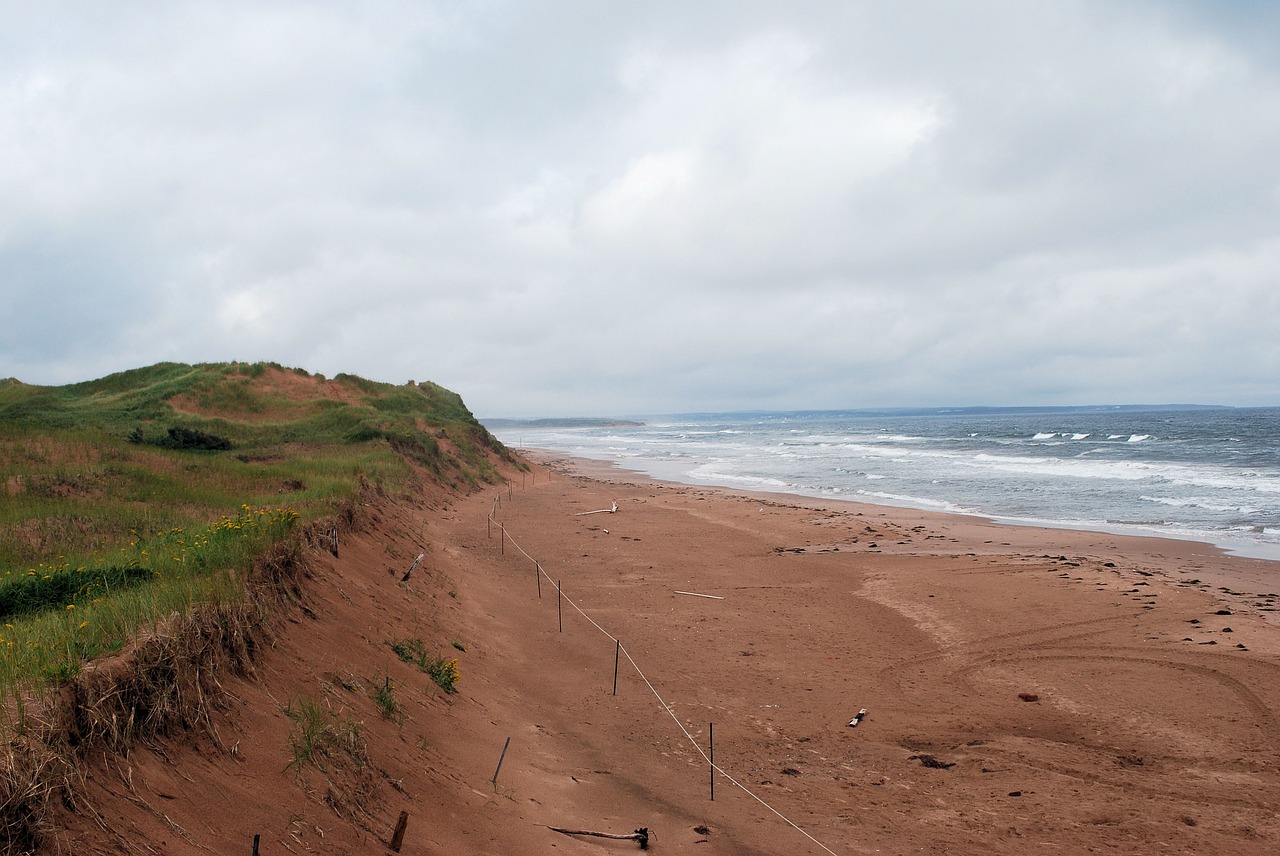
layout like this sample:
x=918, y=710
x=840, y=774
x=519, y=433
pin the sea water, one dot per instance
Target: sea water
x=1200, y=474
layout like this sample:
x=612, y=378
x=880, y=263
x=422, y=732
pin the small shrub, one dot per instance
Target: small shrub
x=60, y=587
x=444, y=672
x=193, y=439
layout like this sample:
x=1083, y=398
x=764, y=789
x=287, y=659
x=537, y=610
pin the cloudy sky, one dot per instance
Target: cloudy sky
x=619, y=208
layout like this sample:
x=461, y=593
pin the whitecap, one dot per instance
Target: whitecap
x=1079, y=436
x=1045, y=436
x=914, y=501
x=1138, y=438
x=1201, y=502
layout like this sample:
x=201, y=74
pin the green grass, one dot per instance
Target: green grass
x=319, y=734
x=64, y=614
x=410, y=651
x=104, y=532
x=37, y=592
x=384, y=697
x=443, y=671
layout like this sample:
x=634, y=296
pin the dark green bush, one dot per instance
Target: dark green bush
x=35, y=592
x=195, y=439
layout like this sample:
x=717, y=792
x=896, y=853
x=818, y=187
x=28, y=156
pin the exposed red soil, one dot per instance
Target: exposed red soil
x=1026, y=690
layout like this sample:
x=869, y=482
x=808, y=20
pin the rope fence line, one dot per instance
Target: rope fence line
x=661, y=701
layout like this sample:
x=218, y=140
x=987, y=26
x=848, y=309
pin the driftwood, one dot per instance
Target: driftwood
x=641, y=835
x=600, y=510
x=412, y=568
x=931, y=762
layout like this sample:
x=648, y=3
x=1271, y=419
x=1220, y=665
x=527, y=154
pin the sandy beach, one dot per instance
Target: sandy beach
x=1026, y=690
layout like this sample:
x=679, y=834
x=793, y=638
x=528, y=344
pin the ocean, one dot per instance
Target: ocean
x=1203, y=474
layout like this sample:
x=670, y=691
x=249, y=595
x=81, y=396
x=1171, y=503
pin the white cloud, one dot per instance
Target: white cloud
x=620, y=208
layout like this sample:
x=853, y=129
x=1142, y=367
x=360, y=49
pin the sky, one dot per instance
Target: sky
x=615, y=208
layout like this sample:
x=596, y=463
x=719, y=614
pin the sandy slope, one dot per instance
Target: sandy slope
x=1141, y=735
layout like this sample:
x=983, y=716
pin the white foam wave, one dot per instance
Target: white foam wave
x=1045, y=435
x=709, y=473
x=1067, y=467
x=1200, y=502
x=914, y=501
x=1139, y=438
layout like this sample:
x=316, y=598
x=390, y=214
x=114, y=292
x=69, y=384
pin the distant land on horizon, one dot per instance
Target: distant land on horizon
x=635, y=422
x=561, y=422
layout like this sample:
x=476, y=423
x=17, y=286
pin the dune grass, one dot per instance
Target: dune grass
x=106, y=528
x=61, y=614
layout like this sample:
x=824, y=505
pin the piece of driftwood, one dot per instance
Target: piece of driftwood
x=695, y=594
x=412, y=568
x=641, y=835
x=931, y=762
x=600, y=510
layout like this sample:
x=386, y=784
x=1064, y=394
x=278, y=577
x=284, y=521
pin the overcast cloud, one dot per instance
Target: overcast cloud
x=567, y=208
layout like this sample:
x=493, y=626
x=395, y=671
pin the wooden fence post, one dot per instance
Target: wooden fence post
x=397, y=837
x=617, y=650
x=711, y=747
x=500, y=760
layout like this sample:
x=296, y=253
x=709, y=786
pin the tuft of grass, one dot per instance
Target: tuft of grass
x=336, y=747
x=385, y=698
x=319, y=735
x=457, y=643
x=444, y=672
x=410, y=651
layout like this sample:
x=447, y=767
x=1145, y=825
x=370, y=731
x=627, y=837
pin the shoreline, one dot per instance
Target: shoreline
x=608, y=470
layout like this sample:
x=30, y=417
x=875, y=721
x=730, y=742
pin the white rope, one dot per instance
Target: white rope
x=661, y=701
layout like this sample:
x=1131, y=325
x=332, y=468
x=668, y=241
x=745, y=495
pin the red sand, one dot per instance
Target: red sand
x=1027, y=690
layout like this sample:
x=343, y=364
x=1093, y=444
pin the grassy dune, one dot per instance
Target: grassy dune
x=146, y=493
